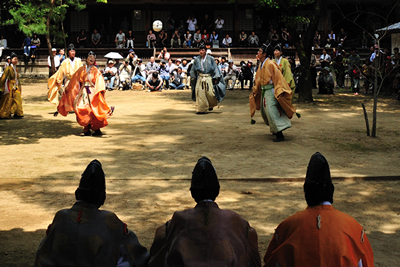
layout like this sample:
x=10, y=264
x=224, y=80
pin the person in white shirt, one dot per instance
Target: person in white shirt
x=3, y=45
x=120, y=39
x=227, y=41
x=231, y=74
x=325, y=59
x=219, y=26
x=56, y=61
x=109, y=74
x=187, y=39
x=192, y=22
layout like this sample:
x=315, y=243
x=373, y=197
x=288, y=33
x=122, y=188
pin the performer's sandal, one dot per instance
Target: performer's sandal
x=97, y=133
x=85, y=133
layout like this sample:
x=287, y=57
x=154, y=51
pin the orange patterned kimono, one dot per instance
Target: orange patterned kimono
x=85, y=95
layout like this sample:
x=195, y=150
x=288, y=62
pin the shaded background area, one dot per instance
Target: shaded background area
x=28, y=207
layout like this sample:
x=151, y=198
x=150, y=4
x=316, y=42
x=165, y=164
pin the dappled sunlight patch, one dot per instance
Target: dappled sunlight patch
x=390, y=228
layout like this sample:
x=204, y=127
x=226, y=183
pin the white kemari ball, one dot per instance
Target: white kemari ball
x=157, y=25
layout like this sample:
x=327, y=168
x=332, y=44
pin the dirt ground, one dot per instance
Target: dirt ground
x=153, y=142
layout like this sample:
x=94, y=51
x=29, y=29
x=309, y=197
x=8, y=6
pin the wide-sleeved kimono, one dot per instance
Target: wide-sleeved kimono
x=10, y=93
x=273, y=96
x=202, y=75
x=319, y=236
x=205, y=236
x=284, y=65
x=85, y=94
x=86, y=236
x=63, y=75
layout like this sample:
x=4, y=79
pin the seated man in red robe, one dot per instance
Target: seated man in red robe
x=86, y=236
x=319, y=235
x=205, y=235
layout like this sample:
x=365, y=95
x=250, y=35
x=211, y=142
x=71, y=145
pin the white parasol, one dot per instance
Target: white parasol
x=113, y=55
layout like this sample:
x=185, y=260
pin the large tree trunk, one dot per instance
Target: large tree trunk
x=303, y=47
x=53, y=68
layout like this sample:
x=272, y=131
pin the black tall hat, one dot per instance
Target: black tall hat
x=13, y=55
x=204, y=175
x=278, y=47
x=268, y=49
x=202, y=46
x=71, y=47
x=318, y=170
x=93, y=178
x=91, y=53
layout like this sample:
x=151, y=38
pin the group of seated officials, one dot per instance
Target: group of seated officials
x=205, y=235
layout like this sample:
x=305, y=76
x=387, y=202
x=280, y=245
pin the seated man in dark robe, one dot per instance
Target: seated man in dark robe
x=325, y=82
x=205, y=235
x=86, y=236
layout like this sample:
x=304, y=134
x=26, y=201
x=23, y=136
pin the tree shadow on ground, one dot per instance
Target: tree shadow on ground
x=32, y=128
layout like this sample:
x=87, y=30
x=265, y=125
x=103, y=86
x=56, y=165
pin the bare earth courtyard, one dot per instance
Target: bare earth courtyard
x=153, y=141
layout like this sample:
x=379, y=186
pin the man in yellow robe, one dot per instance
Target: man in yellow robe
x=59, y=80
x=320, y=235
x=10, y=91
x=284, y=65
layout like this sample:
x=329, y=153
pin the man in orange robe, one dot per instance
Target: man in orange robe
x=85, y=94
x=320, y=235
x=205, y=235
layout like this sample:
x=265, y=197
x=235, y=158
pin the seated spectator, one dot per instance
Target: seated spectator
x=227, y=41
x=274, y=38
x=171, y=65
x=109, y=74
x=81, y=40
x=120, y=39
x=367, y=74
x=317, y=40
x=8, y=62
x=95, y=39
x=320, y=235
x=139, y=72
x=242, y=39
x=3, y=45
x=152, y=66
x=231, y=74
x=197, y=39
x=326, y=82
x=325, y=59
x=205, y=37
x=154, y=82
x=205, y=235
x=164, y=72
x=342, y=37
x=132, y=57
x=151, y=40
x=246, y=74
x=187, y=39
x=125, y=73
x=331, y=40
x=177, y=79
x=213, y=37
x=178, y=62
x=56, y=61
x=223, y=66
x=26, y=45
x=253, y=40
x=130, y=43
x=162, y=39
x=285, y=36
x=86, y=236
x=35, y=43
x=364, y=39
x=61, y=56
x=175, y=39
x=164, y=54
